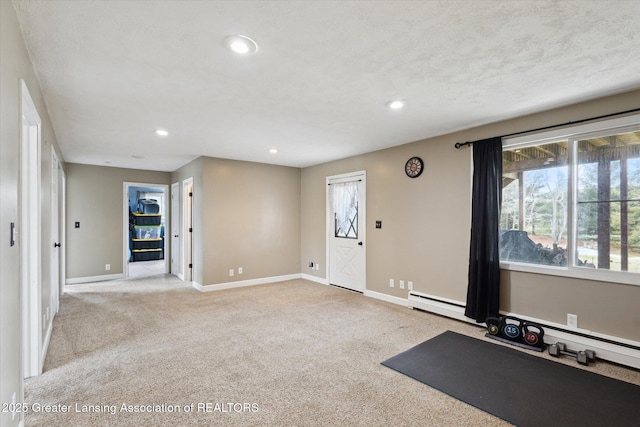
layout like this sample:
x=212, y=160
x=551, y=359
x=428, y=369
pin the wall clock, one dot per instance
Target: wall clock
x=414, y=166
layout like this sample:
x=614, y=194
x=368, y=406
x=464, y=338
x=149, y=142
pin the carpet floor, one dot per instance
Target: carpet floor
x=155, y=352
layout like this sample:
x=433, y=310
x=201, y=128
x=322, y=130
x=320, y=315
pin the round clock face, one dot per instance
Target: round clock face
x=413, y=167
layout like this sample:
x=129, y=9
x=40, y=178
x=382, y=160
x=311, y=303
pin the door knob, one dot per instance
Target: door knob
x=56, y=245
x=360, y=243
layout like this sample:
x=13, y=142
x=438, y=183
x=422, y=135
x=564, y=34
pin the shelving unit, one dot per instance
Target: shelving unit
x=147, y=242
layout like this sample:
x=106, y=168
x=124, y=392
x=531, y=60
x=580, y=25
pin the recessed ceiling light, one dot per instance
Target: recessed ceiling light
x=242, y=45
x=396, y=104
x=162, y=132
x=273, y=150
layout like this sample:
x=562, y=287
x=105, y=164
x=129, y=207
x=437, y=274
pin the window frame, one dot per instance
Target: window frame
x=574, y=133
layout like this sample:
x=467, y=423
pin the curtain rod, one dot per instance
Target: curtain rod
x=462, y=144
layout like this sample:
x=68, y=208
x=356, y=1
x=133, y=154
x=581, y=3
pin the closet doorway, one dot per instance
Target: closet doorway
x=146, y=226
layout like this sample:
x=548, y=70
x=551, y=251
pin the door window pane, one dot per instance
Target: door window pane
x=345, y=208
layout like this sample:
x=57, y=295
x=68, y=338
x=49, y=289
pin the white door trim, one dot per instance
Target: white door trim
x=176, y=233
x=347, y=177
x=30, y=234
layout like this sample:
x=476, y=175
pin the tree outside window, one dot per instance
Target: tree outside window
x=538, y=202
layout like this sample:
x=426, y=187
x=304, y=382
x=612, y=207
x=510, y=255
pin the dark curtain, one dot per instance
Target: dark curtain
x=483, y=293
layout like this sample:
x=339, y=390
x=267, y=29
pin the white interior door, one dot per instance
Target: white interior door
x=176, y=247
x=63, y=218
x=187, y=187
x=55, y=233
x=346, y=196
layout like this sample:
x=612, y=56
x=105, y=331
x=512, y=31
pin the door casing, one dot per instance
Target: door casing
x=30, y=235
x=176, y=233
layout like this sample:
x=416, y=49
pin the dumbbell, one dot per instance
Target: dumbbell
x=583, y=357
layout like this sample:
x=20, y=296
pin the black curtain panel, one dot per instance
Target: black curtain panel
x=483, y=293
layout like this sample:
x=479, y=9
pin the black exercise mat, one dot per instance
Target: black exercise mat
x=520, y=388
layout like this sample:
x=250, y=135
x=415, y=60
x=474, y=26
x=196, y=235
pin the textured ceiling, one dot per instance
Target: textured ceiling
x=114, y=71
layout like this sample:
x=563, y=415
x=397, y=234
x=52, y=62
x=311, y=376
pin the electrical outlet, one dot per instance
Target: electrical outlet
x=572, y=320
x=392, y=283
x=240, y=270
x=317, y=266
x=311, y=265
x=107, y=267
x=401, y=284
x=410, y=285
x=231, y=273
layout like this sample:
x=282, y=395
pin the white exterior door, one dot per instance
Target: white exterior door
x=346, y=195
x=176, y=247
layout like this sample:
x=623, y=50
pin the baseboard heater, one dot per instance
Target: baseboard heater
x=443, y=306
x=613, y=349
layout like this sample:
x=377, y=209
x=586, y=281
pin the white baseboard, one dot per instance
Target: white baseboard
x=311, y=278
x=88, y=279
x=387, y=298
x=45, y=345
x=242, y=283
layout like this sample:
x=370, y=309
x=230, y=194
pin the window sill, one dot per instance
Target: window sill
x=619, y=277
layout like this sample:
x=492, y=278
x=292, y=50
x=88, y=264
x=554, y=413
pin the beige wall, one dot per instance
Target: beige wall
x=426, y=222
x=419, y=233
x=95, y=198
x=16, y=65
x=245, y=215
x=249, y=214
x=606, y=308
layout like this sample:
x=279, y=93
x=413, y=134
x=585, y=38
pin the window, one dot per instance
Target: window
x=571, y=201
